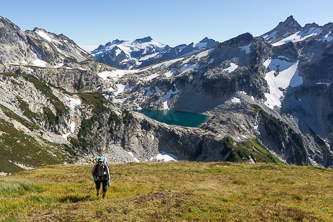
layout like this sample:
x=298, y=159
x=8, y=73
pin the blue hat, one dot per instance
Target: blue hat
x=101, y=159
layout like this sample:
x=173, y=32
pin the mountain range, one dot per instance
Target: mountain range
x=268, y=98
x=142, y=52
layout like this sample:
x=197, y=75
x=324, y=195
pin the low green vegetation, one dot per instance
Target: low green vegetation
x=47, y=91
x=297, y=142
x=183, y=191
x=99, y=109
x=99, y=104
x=49, y=115
x=72, y=59
x=273, y=126
x=18, y=148
x=25, y=108
x=9, y=74
x=240, y=152
x=11, y=114
x=114, y=118
x=321, y=144
x=96, y=100
x=281, y=131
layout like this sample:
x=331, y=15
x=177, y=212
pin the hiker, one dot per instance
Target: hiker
x=100, y=172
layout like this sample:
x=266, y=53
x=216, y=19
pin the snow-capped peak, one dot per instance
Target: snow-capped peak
x=144, y=51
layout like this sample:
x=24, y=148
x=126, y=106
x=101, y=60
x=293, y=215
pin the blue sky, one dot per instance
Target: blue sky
x=171, y=22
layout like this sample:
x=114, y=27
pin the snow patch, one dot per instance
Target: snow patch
x=148, y=93
x=73, y=102
x=231, y=68
x=38, y=55
x=44, y=35
x=201, y=45
x=135, y=159
x=189, y=67
x=148, y=78
x=246, y=48
x=323, y=83
x=167, y=63
x=211, y=61
x=147, y=57
x=39, y=63
x=299, y=36
x=167, y=96
x=59, y=65
x=271, y=37
x=235, y=100
x=72, y=125
x=29, y=70
x=287, y=76
x=65, y=135
x=283, y=57
x=118, y=100
x=328, y=37
x=116, y=74
x=164, y=157
x=169, y=74
x=202, y=54
x=158, y=90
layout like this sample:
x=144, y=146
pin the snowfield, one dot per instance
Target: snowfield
x=299, y=36
x=282, y=74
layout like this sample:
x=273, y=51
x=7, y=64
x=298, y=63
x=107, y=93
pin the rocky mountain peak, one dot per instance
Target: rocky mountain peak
x=209, y=42
x=310, y=25
x=7, y=24
x=283, y=29
x=206, y=39
x=290, y=22
x=143, y=40
x=117, y=41
x=14, y=45
x=241, y=40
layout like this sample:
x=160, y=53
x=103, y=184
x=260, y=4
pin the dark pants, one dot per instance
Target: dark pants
x=105, y=185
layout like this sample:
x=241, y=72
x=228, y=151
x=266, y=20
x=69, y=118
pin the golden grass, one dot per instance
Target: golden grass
x=184, y=191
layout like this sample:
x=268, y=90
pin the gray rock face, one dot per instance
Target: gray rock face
x=14, y=47
x=37, y=47
x=55, y=49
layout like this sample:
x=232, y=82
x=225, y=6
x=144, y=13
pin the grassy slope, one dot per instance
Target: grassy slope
x=170, y=192
x=18, y=147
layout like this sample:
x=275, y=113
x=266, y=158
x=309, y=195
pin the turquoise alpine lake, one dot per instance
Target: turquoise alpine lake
x=172, y=117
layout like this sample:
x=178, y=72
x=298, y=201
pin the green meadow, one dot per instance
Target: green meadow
x=179, y=191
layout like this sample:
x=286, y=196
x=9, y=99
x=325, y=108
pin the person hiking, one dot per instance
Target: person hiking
x=100, y=173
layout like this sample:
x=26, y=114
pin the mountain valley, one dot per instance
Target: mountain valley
x=268, y=98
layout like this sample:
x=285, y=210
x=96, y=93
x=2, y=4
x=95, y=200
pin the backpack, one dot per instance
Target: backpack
x=106, y=164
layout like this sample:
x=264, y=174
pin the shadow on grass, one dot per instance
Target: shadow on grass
x=74, y=198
